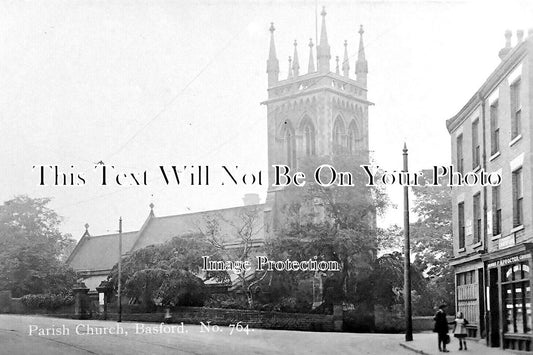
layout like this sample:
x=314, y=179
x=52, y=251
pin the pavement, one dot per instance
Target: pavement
x=36, y=335
x=426, y=343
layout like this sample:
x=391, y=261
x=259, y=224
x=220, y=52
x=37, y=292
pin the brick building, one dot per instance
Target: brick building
x=493, y=226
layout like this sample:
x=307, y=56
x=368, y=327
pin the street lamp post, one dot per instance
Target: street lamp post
x=407, y=256
x=120, y=269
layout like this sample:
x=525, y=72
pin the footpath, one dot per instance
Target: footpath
x=426, y=343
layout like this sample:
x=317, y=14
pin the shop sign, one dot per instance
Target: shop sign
x=511, y=260
x=506, y=242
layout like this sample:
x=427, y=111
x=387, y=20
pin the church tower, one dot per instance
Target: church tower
x=320, y=113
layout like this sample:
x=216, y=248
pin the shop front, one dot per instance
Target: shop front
x=508, y=296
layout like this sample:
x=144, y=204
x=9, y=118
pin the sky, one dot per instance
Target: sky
x=138, y=84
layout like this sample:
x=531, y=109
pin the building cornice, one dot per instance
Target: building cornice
x=502, y=253
x=514, y=57
x=317, y=75
x=314, y=91
x=465, y=259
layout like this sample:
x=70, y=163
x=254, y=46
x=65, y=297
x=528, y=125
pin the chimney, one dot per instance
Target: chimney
x=251, y=199
x=503, y=52
x=519, y=36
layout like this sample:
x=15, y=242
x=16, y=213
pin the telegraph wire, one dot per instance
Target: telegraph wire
x=216, y=148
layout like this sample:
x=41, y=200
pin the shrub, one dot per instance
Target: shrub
x=47, y=301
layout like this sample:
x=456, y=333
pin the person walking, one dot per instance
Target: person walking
x=441, y=328
x=459, y=330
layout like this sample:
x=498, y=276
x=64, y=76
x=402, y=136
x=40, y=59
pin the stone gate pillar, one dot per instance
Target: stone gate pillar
x=81, y=301
x=104, y=294
x=337, y=317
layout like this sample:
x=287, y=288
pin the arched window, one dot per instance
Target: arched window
x=338, y=135
x=289, y=145
x=352, y=138
x=309, y=137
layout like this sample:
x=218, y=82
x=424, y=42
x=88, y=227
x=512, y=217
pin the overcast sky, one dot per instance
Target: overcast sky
x=143, y=83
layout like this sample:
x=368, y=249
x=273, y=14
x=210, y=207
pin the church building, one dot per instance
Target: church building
x=318, y=112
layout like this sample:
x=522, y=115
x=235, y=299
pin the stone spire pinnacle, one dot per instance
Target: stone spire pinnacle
x=289, y=75
x=272, y=61
x=311, y=67
x=323, y=51
x=346, y=61
x=295, y=62
x=337, y=71
x=361, y=65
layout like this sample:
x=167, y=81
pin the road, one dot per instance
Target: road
x=44, y=335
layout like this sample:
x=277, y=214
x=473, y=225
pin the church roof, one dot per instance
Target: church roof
x=96, y=254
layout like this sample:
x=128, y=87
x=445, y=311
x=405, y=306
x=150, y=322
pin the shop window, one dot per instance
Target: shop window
x=517, y=298
x=466, y=278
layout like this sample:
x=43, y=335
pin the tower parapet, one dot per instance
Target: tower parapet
x=315, y=116
x=320, y=113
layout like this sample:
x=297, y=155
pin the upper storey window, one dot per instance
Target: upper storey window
x=461, y=217
x=338, y=136
x=497, y=211
x=518, y=198
x=309, y=137
x=460, y=158
x=289, y=145
x=516, y=110
x=477, y=218
x=494, y=129
x=475, y=144
x=352, y=138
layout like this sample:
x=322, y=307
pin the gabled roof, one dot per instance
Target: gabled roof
x=100, y=253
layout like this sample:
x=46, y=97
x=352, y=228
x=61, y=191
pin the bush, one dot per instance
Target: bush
x=47, y=301
x=182, y=288
x=226, y=301
x=360, y=320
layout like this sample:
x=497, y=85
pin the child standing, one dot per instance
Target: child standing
x=459, y=331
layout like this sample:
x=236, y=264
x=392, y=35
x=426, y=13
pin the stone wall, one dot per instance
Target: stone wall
x=225, y=317
x=390, y=322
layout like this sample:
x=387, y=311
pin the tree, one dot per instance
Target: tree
x=387, y=282
x=334, y=223
x=431, y=247
x=167, y=272
x=32, y=247
x=245, y=229
x=431, y=236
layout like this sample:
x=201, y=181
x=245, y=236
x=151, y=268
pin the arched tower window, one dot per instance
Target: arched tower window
x=338, y=136
x=309, y=137
x=289, y=145
x=352, y=138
